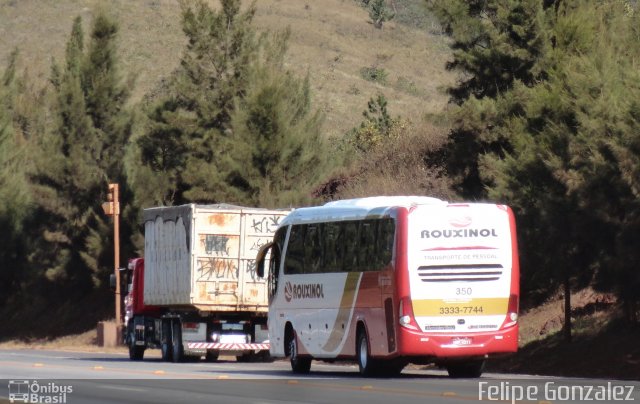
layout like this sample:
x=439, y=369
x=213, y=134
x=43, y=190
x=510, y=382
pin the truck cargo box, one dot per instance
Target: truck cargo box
x=203, y=256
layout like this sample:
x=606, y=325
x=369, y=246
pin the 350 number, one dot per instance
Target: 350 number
x=464, y=291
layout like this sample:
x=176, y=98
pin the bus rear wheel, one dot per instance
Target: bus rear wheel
x=298, y=364
x=366, y=364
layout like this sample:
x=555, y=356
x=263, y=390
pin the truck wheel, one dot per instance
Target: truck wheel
x=136, y=352
x=247, y=357
x=265, y=356
x=212, y=355
x=299, y=364
x=166, y=347
x=471, y=369
x=176, y=341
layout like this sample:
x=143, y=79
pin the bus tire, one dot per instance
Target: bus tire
x=301, y=365
x=366, y=364
x=471, y=369
x=176, y=341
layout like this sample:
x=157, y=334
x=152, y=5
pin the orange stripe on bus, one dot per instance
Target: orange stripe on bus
x=346, y=304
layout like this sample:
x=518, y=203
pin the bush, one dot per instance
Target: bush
x=374, y=74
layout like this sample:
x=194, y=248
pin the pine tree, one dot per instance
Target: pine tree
x=275, y=150
x=227, y=91
x=14, y=198
x=377, y=129
x=495, y=45
x=78, y=157
x=572, y=170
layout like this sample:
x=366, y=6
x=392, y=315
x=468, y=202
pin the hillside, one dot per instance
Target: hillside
x=603, y=345
x=332, y=41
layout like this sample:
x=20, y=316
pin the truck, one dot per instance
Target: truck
x=196, y=293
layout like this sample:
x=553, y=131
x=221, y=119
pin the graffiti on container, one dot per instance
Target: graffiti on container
x=251, y=270
x=217, y=268
x=267, y=224
x=255, y=246
x=215, y=244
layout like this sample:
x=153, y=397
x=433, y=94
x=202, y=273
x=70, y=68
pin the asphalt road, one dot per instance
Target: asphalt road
x=72, y=377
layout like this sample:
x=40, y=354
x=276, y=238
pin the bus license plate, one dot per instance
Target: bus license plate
x=462, y=341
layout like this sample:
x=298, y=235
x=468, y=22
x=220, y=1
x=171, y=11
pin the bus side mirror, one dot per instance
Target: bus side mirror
x=260, y=258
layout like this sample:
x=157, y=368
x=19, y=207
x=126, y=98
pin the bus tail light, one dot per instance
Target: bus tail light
x=406, y=318
x=512, y=312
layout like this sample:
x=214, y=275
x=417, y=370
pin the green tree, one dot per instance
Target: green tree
x=275, y=147
x=186, y=123
x=495, y=44
x=379, y=12
x=377, y=128
x=225, y=126
x=534, y=128
x=572, y=168
x=78, y=157
x=14, y=198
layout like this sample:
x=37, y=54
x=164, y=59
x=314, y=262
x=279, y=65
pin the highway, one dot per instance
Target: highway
x=77, y=377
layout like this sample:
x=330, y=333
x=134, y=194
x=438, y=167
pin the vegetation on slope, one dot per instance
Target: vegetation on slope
x=543, y=117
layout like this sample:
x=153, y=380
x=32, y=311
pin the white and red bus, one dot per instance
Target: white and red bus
x=394, y=280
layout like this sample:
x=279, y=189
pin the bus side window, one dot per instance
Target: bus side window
x=313, y=249
x=367, y=260
x=350, y=261
x=386, y=236
x=333, y=247
x=294, y=261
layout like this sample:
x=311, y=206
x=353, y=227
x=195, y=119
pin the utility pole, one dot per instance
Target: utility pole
x=112, y=208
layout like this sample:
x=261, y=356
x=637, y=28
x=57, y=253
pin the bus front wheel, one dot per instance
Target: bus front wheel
x=298, y=364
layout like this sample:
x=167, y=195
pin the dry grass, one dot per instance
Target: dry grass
x=590, y=311
x=398, y=168
x=332, y=40
x=85, y=342
x=603, y=345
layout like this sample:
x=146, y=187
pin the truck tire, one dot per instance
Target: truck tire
x=165, y=345
x=299, y=364
x=176, y=341
x=265, y=356
x=136, y=352
x=212, y=355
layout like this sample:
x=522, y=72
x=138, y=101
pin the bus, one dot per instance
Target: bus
x=388, y=281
